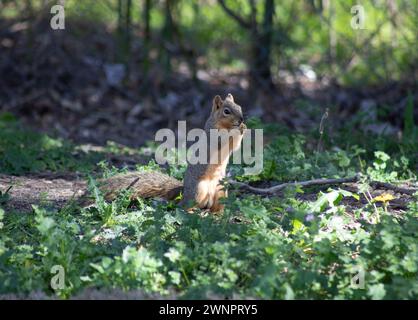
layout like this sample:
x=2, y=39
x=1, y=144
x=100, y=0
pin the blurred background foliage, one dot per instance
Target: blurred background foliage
x=125, y=62
x=220, y=34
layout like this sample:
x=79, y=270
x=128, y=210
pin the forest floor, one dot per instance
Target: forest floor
x=68, y=112
x=51, y=190
x=81, y=97
x=55, y=190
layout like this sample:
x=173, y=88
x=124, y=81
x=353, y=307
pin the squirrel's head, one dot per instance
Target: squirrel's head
x=226, y=113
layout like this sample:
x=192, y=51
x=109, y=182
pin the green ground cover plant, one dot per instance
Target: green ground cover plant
x=305, y=243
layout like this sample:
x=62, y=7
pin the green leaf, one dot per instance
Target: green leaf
x=377, y=291
x=388, y=238
x=173, y=255
x=7, y=117
x=297, y=226
x=289, y=295
x=175, y=277
x=320, y=204
x=332, y=199
x=45, y=224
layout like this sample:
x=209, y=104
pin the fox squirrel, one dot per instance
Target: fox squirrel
x=201, y=188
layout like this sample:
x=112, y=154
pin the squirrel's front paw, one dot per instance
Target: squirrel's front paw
x=242, y=127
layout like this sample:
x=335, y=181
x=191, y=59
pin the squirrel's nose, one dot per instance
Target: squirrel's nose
x=241, y=119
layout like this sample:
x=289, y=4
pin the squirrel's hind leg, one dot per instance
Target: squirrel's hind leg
x=219, y=194
x=197, y=200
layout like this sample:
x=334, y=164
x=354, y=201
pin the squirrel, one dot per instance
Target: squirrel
x=201, y=187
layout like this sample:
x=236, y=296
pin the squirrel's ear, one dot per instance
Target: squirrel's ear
x=229, y=97
x=217, y=103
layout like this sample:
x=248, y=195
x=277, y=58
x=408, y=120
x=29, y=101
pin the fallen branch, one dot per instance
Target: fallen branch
x=385, y=185
x=277, y=188
x=317, y=182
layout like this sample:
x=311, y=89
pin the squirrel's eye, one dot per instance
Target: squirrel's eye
x=227, y=111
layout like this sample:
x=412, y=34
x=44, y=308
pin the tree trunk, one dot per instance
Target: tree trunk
x=124, y=30
x=261, y=41
x=260, y=69
x=147, y=21
x=128, y=22
x=168, y=35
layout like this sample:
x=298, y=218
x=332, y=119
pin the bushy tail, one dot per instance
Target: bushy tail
x=150, y=184
x=143, y=185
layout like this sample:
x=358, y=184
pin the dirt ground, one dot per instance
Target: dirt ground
x=52, y=190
